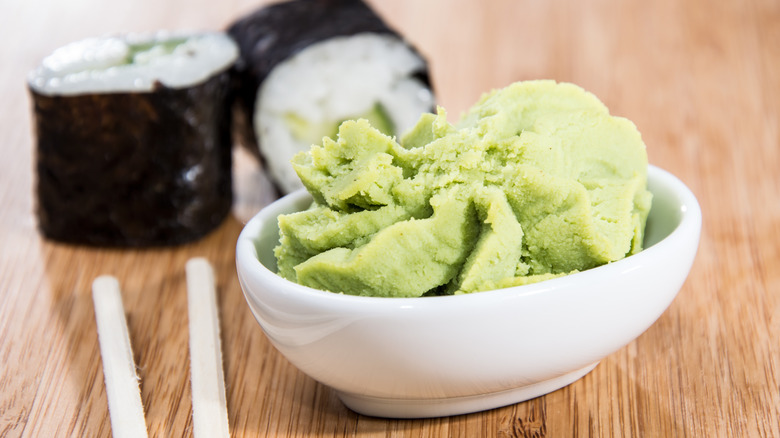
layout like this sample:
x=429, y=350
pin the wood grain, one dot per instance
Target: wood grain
x=700, y=79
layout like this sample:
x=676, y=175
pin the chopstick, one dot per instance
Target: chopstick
x=122, y=390
x=209, y=406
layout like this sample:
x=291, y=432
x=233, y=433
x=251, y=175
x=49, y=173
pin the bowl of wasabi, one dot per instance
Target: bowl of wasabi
x=472, y=265
x=447, y=355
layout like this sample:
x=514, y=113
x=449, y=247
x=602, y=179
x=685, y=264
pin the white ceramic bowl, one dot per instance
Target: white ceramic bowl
x=436, y=356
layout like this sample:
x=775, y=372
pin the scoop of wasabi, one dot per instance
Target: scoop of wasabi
x=536, y=181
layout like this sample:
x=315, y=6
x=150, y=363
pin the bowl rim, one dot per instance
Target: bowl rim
x=689, y=223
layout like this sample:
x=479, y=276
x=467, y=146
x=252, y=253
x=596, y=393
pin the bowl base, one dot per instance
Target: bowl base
x=442, y=407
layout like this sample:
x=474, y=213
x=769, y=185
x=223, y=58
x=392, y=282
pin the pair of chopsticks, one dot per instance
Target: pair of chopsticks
x=125, y=407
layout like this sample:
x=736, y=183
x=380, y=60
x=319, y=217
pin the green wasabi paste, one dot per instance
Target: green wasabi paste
x=536, y=181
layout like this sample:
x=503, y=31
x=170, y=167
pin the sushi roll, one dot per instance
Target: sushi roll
x=307, y=65
x=133, y=138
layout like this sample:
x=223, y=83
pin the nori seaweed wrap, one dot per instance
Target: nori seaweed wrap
x=307, y=65
x=133, y=139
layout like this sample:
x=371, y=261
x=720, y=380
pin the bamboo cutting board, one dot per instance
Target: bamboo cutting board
x=700, y=79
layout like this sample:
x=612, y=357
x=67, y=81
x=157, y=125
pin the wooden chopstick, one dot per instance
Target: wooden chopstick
x=122, y=390
x=209, y=405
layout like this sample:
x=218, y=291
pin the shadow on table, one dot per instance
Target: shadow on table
x=588, y=407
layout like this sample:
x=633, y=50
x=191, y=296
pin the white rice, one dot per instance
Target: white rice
x=339, y=78
x=99, y=65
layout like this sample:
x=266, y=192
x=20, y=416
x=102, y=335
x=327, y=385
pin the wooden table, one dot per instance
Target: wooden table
x=700, y=79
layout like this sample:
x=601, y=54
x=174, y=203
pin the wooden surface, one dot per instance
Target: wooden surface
x=701, y=80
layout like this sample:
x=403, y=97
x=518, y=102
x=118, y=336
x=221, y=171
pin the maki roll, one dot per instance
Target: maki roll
x=307, y=65
x=133, y=138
